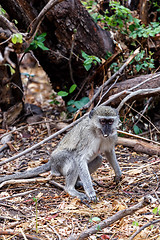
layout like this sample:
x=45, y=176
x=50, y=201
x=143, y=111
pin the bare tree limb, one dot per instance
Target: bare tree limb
x=42, y=142
x=110, y=79
x=6, y=24
x=107, y=222
x=139, y=92
x=31, y=180
x=140, y=146
x=17, y=234
x=17, y=195
x=143, y=227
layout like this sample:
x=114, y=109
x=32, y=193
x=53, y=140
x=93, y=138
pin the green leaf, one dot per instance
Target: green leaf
x=2, y=11
x=41, y=45
x=98, y=228
x=88, y=66
x=62, y=93
x=136, y=129
x=70, y=102
x=84, y=55
x=72, y=88
x=96, y=219
x=84, y=100
x=135, y=223
x=78, y=104
x=71, y=109
x=41, y=38
x=34, y=199
x=138, y=67
x=88, y=61
x=17, y=38
x=155, y=210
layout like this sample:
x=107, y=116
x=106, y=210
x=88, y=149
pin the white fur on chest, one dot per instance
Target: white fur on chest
x=99, y=146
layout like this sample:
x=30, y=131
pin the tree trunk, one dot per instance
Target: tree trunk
x=68, y=25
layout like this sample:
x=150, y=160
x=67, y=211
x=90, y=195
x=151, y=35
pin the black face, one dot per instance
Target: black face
x=106, y=126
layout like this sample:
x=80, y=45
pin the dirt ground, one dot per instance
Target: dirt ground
x=49, y=213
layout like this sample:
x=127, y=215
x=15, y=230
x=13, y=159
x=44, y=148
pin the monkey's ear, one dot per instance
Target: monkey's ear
x=91, y=113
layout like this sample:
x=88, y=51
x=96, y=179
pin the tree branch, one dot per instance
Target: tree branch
x=143, y=227
x=110, y=79
x=42, y=142
x=139, y=92
x=17, y=234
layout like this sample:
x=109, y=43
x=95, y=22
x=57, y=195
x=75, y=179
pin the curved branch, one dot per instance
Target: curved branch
x=37, y=21
x=139, y=92
x=6, y=24
x=143, y=227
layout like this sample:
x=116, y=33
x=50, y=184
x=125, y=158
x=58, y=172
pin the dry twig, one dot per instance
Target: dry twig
x=17, y=195
x=17, y=234
x=143, y=227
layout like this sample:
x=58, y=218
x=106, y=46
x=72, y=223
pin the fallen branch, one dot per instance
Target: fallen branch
x=140, y=146
x=17, y=195
x=137, y=136
x=107, y=222
x=42, y=142
x=124, y=92
x=143, y=227
x=17, y=234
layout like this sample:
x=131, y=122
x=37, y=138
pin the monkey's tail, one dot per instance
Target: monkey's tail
x=28, y=174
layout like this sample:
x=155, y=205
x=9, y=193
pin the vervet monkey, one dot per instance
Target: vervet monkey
x=78, y=153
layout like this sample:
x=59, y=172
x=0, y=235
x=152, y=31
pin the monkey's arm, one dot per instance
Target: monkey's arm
x=28, y=174
x=111, y=156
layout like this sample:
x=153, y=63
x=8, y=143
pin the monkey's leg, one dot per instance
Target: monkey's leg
x=92, y=166
x=71, y=179
x=111, y=156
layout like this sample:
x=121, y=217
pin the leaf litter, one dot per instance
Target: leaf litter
x=66, y=215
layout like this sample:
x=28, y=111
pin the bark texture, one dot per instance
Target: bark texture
x=68, y=25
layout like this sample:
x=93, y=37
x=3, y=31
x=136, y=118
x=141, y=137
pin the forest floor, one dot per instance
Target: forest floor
x=58, y=214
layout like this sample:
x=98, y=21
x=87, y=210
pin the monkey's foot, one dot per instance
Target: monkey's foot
x=117, y=179
x=75, y=193
x=93, y=198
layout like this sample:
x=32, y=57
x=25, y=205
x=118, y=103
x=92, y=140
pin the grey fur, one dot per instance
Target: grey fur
x=78, y=153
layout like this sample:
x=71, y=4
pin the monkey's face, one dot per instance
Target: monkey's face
x=105, y=119
x=107, y=125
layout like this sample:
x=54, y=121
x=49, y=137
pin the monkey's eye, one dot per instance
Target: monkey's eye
x=103, y=121
x=110, y=122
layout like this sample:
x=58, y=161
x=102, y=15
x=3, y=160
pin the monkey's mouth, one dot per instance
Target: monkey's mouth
x=105, y=135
